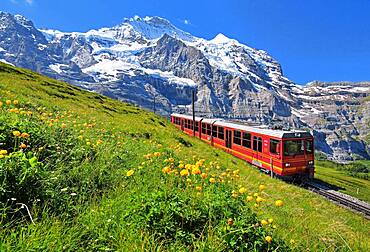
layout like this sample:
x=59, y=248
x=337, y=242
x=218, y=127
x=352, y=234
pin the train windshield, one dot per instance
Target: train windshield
x=293, y=147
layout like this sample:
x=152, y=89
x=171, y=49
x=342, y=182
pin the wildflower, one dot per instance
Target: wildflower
x=15, y=102
x=188, y=180
x=230, y=221
x=204, y=175
x=64, y=189
x=8, y=102
x=259, y=199
x=212, y=180
x=242, y=190
x=234, y=194
x=262, y=187
x=184, y=172
x=268, y=239
x=99, y=141
x=1, y=104
x=64, y=125
x=16, y=133
x=196, y=171
x=3, y=152
x=25, y=135
x=264, y=222
x=171, y=160
x=1, y=156
x=23, y=146
x=73, y=194
x=166, y=169
x=13, y=199
x=279, y=203
x=292, y=241
x=130, y=173
x=255, y=194
x=198, y=188
x=156, y=154
x=181, y=166
x=249, y=198
x=270, y=220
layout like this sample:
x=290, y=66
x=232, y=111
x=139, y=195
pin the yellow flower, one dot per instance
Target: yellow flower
x=25, y=135
x=279, y=203
x=249, y=198
x=1, y=104
x=259, y=199
x=130, y=173
x=262, y=187
x=292, y=241
x=181, y=166
x=255, y=194
x=196, y=171
x=188, y=180
x=242, y=190
x=156, y=154
x=15, y=102
x=212, y=180
x=16, y=133
x=270, y=220
x=264, y=222
x=184, y=172
x=64, y=125
x=23, y=146
x=198, y=188
x=8, y=102
x=204, y=175
x=3, y=152
x=268, y=239
x=166, y=169
x=1, y=156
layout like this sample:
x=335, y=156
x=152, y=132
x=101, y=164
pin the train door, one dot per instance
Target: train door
x=182, y=124
x=228, y=140
x=257, y=149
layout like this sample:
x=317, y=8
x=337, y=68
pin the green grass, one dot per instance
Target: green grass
x=328, y=172
x=74, y=177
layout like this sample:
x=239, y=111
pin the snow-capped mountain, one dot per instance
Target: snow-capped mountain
x=143, y=58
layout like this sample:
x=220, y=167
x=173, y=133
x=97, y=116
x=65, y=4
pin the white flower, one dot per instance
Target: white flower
x=73, y=194
x=64, y=189
x=13, y=199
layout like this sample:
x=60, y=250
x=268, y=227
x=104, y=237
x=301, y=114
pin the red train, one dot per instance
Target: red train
x=285, y=153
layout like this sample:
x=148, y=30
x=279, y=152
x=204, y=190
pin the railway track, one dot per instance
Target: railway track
x=340, y=198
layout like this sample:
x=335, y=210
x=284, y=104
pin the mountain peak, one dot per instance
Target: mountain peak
x=222, y=39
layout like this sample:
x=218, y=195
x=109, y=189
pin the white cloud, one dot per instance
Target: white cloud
x=29, y=2
x=187, y=22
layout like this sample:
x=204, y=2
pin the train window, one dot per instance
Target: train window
x=247, y=139
x=221, y=133
x=293, y=147
x=237, y=137
x=196, y=126
x=309, y=146
x=208, y=129
x=191, y=124
x=204, y=129
x=274, y=146
x=214, y=131
x=257, y=143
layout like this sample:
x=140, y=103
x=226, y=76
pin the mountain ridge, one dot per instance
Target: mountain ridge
x=148, y=58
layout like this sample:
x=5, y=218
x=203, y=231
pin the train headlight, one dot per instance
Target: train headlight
x=287, y=165
x=310, y=162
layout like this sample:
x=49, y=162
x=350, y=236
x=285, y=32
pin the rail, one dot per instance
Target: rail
x=340, y=198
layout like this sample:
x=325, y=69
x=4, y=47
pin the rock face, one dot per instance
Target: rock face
x=147, y=59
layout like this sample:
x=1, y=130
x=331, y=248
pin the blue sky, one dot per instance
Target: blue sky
x=313, y=40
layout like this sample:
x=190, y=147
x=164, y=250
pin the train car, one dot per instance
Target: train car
x=284, y=153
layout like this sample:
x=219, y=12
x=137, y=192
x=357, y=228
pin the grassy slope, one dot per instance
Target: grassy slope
x=312, y=222
x=357, y=187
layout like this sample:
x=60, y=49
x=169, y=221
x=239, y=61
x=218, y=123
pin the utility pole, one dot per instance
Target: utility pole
x=154, y=103
x=193, y=101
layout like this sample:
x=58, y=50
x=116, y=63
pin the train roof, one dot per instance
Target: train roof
x=258, y=130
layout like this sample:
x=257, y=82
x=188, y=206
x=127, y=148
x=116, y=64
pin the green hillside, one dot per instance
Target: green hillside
x=101, y=175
